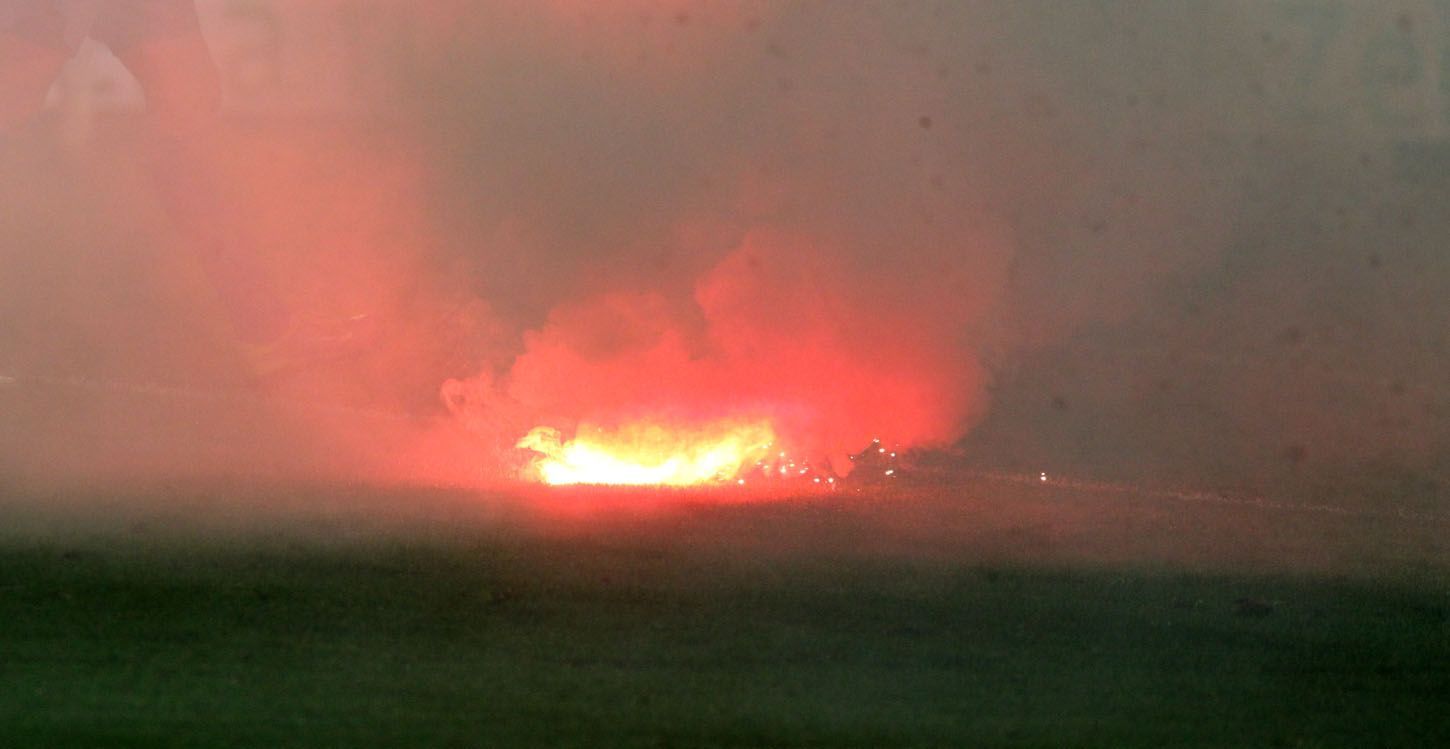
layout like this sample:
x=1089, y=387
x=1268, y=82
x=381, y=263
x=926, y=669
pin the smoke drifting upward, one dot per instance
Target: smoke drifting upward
x=848, y=213
x=1160, y=234
x=777, y=331
x=725, y=211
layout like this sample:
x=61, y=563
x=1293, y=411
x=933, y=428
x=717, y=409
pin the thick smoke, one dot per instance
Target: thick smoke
x=1117, y=236
x=755, y=212
x=776, y=331
x=839, y=214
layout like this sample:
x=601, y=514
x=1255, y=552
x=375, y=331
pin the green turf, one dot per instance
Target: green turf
x=591, y=643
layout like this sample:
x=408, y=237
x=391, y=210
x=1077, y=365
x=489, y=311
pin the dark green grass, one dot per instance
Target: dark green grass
x=577, y=642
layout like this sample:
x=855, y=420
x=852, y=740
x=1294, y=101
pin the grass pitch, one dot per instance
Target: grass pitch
x=757, y=625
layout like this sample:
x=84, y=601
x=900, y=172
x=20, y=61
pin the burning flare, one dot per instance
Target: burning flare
x=648, y=454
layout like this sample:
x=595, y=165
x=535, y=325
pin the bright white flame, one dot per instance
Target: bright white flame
x=647, y=454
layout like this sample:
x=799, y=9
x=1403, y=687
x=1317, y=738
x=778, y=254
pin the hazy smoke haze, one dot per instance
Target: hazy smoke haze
x=1189, y=240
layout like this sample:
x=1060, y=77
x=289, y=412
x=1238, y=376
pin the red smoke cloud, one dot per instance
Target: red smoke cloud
x=777, y=330
x=712, y=220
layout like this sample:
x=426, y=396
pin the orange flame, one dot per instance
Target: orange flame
x=648, y=454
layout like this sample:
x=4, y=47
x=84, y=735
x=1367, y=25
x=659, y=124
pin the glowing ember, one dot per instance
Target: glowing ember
x=649, y=454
